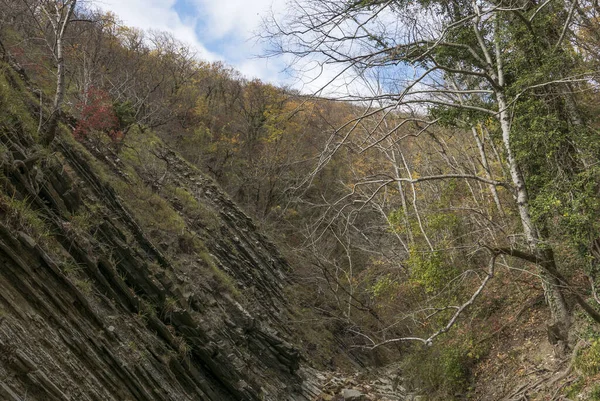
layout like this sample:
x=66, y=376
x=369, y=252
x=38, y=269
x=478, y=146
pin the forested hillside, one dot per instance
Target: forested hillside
x=438, y=218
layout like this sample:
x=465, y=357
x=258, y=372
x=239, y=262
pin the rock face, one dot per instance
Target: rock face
x=94, y=305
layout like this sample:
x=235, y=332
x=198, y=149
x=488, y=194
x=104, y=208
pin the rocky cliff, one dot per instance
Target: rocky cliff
x=131, y=276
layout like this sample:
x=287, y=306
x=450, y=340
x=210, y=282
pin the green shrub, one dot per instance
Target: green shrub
x=223, y=280
x=428, y=270
x=385, y=288
x=442, y=370
x=20, y=216
x=574, y=389
x=193, y=208
x=149, y=208
x=595, y=393
x=587, y=360
x=14, y=114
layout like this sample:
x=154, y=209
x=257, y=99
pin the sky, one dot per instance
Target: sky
x=219, y=30
x=226, y=30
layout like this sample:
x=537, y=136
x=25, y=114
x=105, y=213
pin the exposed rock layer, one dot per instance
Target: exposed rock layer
x=102, y=312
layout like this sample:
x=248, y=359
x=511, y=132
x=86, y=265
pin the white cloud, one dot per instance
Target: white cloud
x=265, y=70
x=227, y=28
x=158, y=15
x=235, y=17
x=232, y=25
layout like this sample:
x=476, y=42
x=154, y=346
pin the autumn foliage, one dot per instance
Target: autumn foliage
x=97, y=115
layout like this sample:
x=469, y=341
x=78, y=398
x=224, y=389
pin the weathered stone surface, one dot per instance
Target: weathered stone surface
x=100, y=312
x=376, y=386
x=352, y=395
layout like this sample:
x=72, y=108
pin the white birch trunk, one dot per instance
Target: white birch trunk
x=59, y=25
x=554, y=296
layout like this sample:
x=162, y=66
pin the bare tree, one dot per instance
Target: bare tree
x=55, y=15
x=446, y=60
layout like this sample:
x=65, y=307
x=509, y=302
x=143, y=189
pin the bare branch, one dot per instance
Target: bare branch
x=429, y=340
x=440, y=177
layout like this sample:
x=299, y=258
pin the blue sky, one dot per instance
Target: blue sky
x=225, y=30
x=217, y=29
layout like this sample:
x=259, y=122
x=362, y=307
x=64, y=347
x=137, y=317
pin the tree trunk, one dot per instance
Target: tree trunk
x=487, y=170
x=58, y=97
x=63, y=16
x=554, y=296
x=405, y=217
x=417, y=214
